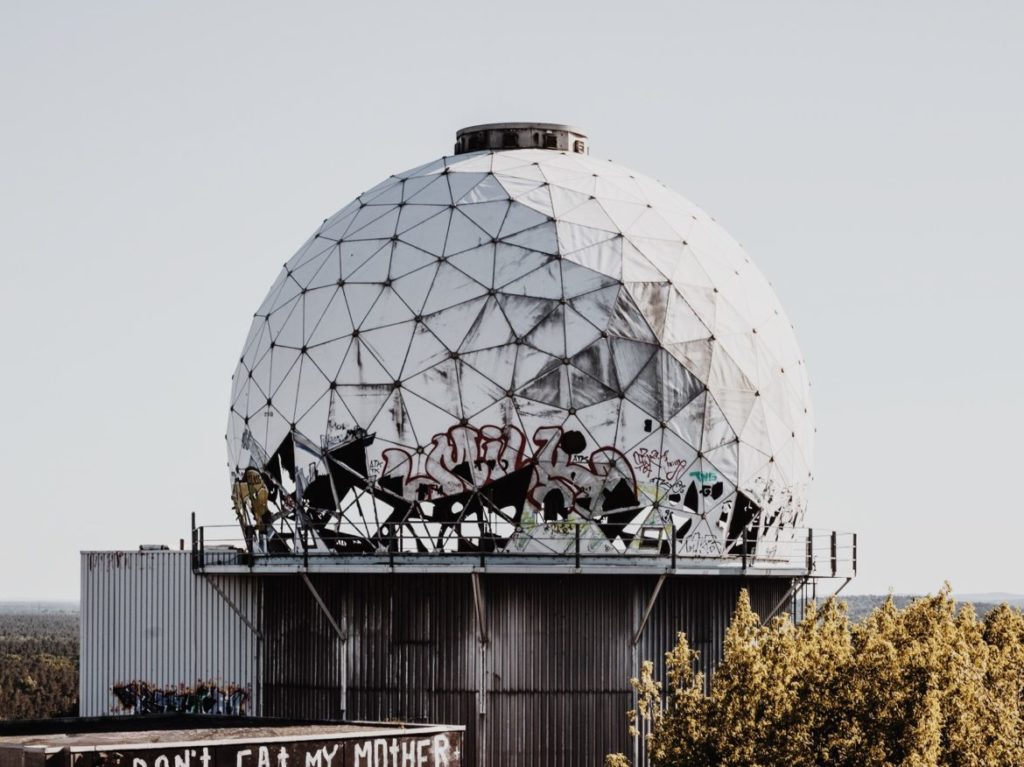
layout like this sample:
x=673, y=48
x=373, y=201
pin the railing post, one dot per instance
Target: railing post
x=672, y=543
x=835, y=554
x=195, y=539
x=855, y=553
x=810, y=550
x=577, y=544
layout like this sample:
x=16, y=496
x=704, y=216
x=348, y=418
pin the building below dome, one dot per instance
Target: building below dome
x=536, y=667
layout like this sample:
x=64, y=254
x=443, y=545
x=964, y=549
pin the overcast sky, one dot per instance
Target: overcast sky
x=160, y=161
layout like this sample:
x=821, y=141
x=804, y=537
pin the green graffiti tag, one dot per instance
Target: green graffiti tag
x=704, y=476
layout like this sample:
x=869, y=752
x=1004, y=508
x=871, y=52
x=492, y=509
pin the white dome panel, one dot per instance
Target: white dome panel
x=498, y=341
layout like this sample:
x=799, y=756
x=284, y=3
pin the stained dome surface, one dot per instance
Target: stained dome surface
x=481, y=349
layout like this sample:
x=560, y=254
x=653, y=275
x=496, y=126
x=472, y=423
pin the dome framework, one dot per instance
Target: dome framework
x=520, y=351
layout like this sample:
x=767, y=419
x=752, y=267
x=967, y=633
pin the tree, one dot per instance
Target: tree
x=923, y=686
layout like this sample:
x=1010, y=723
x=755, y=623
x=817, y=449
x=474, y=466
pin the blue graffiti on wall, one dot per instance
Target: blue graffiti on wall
x=205, y=698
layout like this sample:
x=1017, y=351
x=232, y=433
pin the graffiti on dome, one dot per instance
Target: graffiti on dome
x=660, y=464
x=485, y=488
x=466, y=457
x=704, y=476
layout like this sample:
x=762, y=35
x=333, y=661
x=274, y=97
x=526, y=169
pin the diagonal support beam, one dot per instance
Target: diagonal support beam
x=649, y=607
x=478, y=603
x=234, y=608
x=845, y=584
x=323, y=607
x=798, y=583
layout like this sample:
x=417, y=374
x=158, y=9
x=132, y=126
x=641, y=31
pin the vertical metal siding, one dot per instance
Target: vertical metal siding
x=702, y=608
x=556, y=668
x=560, y=666
x=147, y=617
x=410, y=654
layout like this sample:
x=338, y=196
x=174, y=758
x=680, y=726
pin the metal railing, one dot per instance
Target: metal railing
x=575, y=544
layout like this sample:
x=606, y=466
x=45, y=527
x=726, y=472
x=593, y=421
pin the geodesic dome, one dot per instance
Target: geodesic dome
x=480, y=349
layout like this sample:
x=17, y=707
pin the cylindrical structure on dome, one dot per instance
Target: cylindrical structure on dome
x=501, y=427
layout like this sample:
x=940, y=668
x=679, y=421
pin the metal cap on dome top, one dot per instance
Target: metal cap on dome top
x=503, y=136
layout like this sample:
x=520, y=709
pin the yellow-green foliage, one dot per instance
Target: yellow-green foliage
x=924, y=686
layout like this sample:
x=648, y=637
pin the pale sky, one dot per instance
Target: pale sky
x=159, y=162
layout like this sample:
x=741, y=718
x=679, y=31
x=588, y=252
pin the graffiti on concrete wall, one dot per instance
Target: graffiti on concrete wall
x=420, y=749
x=138, y=697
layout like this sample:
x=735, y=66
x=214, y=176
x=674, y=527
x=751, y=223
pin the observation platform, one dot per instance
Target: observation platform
x=561, y=548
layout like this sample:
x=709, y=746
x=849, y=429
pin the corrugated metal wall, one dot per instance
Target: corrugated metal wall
x=147, y=618
x=550, y=685
x=411, y=652
x=702, y=607
x=559, y=667
x=555, y=667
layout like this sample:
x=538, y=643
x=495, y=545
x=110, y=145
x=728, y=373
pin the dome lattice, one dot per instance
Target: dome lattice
x=481, y=349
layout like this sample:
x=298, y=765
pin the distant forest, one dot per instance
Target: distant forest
x=38, y=661
x=862, y=605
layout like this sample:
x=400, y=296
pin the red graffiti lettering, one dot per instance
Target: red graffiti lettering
x=466, y=457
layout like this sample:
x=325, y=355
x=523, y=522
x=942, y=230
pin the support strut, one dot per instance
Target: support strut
x=241, y=616
x=795, y=586
x=342, y=638
x=649, y=607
